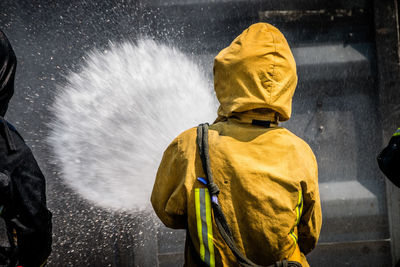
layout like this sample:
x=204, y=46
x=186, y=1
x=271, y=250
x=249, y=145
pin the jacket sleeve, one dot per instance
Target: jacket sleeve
x=33, y=219
x=311, y=220
x=169, y=195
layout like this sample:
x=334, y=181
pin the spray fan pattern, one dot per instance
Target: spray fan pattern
x=114, y=118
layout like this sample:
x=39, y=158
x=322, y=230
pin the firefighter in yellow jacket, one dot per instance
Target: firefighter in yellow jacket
x=267, y=176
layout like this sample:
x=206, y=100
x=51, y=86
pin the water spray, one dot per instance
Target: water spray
x=114, y=118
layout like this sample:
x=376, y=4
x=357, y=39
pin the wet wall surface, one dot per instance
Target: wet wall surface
x=335, y=111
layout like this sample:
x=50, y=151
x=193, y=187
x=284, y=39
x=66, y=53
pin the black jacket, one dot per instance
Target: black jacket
x=389, y=159
x=22, y=184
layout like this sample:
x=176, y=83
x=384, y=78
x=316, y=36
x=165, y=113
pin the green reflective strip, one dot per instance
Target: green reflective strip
x=1, y=209
x=301, y=204
x=209, y=229
x=44, y=263
x=204, y=225
x=396, y=133
x=299, y=208
x=198, y=219
x=203, y=213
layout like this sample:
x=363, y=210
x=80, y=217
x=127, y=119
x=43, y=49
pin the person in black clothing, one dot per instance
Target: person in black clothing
x=22, y=184
x=389, y=160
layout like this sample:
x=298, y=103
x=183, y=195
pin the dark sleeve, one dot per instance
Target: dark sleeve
x=33, y=219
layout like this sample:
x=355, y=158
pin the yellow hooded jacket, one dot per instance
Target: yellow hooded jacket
x=268, y=177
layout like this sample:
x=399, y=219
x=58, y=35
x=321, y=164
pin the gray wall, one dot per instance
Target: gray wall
x=336, y=110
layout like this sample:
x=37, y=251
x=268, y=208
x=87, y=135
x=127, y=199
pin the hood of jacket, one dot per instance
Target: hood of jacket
x=255, y=76
x=8, y=65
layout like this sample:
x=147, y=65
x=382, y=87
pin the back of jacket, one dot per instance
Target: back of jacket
x=268, y=193
x=268, y=177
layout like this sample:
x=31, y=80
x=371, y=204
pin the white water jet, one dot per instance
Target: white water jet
x=114, y=119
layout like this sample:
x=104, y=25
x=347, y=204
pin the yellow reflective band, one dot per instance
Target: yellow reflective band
x=397, y=133
x=301, y=205
x=299, y=208
x=294, y=237
x=209, y=229
x=44, y=263
x=204, y=226
x=198, y=219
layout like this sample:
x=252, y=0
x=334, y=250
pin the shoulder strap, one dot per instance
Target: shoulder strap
x=220, y=220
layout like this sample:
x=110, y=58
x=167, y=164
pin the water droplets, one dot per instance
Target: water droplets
x=115, y=117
